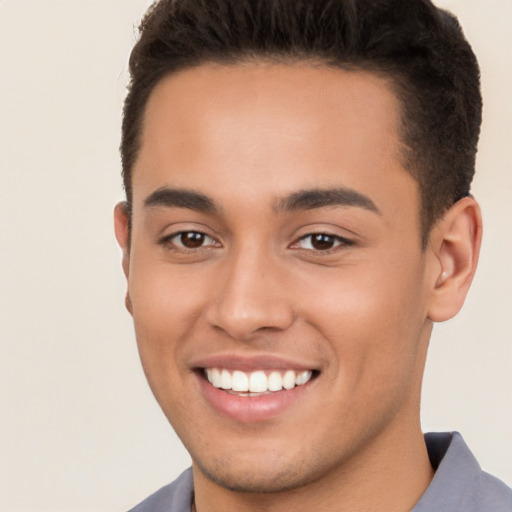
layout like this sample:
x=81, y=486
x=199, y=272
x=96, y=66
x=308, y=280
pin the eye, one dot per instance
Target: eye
x=190, y=240
x=321, y=242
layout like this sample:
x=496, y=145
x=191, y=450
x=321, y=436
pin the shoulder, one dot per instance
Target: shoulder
x=459, y=484
x=490, y=494
x=174, y=497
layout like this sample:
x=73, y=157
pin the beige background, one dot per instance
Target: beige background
x=79, y=429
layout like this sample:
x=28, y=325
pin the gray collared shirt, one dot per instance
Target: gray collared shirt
x=459, y=484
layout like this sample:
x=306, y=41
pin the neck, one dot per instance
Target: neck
x=390, y=476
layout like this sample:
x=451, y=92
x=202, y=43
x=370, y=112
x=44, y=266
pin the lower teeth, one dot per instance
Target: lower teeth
x=248, y=393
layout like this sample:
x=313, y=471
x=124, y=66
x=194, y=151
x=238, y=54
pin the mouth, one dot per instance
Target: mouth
x=254, y=389
x=256, y=383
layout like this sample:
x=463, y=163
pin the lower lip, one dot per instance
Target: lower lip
x=248, y=409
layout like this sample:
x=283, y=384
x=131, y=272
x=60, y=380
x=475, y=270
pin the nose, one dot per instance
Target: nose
x=251, y=296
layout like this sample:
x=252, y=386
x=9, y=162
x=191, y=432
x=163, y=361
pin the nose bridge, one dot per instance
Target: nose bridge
x=251, y=295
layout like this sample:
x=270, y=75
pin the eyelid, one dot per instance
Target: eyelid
x=168, y=240
x=340, y=242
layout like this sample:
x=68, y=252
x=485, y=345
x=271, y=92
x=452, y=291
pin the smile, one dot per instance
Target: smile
x=254, y=389
x=257, y=382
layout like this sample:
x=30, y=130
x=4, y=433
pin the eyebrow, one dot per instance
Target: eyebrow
x=181, y=198
x=301, y=200
x=321, y=198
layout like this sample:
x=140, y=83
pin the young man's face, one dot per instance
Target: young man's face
x=275, y=231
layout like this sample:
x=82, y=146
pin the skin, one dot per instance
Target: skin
x=359, y=312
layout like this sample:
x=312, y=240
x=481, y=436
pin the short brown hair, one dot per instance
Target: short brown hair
x=419, y=47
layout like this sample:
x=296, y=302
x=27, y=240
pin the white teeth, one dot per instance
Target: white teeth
x=225, y=380
x=216, y=380
x=303, y=377
x=289, y=380
x=240, y=381
x=256, y=382
x=275, y=382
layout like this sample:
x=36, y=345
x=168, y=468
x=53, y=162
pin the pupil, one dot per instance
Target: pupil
x=192, y=240
x=322, y=242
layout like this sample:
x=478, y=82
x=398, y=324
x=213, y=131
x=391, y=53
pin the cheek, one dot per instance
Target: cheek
x=165, y=309
x=372, y=317
x=162, y=317
x=163, y=301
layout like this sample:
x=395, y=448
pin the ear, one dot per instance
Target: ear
x=122, y=230
x=455, y=245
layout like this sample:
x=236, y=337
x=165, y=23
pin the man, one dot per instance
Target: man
x=297, y=217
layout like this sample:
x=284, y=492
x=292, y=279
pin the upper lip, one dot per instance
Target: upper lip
x=250, y=363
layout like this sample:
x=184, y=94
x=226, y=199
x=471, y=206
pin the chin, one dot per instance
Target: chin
x=261, y=477
x=253, y=481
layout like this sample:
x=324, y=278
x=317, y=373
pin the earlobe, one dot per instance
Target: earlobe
x=128, y=302
x=455, y=245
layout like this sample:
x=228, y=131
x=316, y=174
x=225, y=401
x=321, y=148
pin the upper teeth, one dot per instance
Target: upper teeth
x=258, y=381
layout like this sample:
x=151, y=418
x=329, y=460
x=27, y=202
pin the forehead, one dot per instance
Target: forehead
x=270, y=129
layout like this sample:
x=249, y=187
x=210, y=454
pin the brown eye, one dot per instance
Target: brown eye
x=321, y=242
x=190, y=240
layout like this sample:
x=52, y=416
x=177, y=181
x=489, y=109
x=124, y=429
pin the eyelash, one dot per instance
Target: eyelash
x=170, y=241
x=338, y=241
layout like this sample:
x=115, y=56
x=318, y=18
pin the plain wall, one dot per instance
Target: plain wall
x=79, y=429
